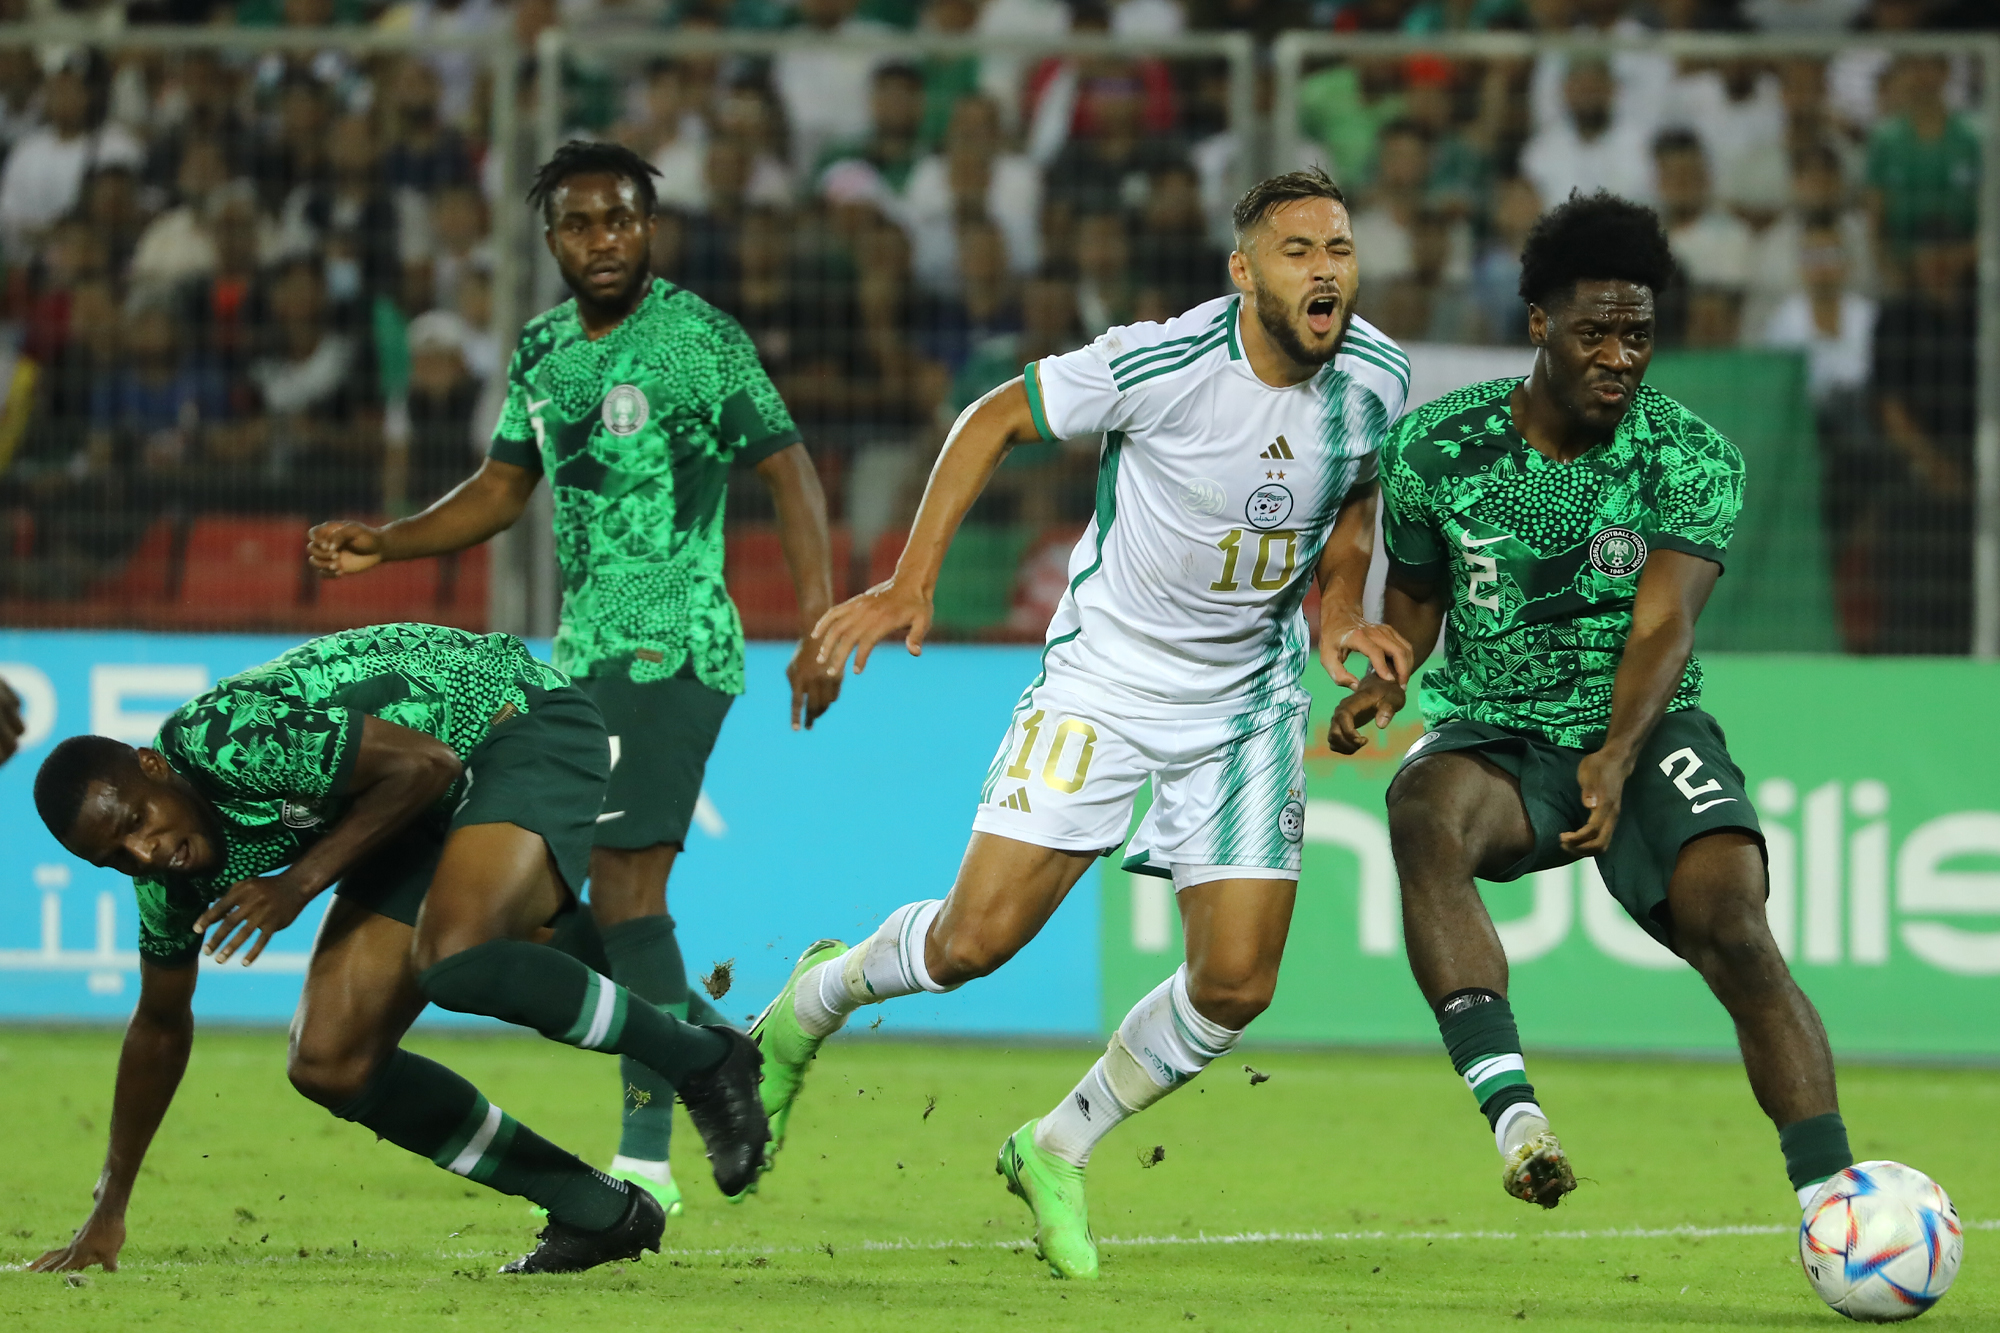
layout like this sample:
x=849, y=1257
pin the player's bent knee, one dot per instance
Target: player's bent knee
x=963, y=957
x=329, y=1078
x=1232, y=1002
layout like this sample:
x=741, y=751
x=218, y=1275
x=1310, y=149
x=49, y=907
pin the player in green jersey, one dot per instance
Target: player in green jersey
x=635, y=399
x=446, y=785
x=1568, y=528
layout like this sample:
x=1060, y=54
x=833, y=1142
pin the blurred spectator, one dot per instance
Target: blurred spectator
x=216, y=304
x=458, y=71
x=747, y=115
x=1105, y=293
x=444, y=393
x=1107, y=167
x=459, y=240
x=985, y=305
x=45, y=170
x=1049, y=327
x=1858, y=84
x=475, y=308
x=1809, y=120
x=1712, y=247
x=708, y=257
x=354, y=217
x=947, y=78
x=1071, y=99
x=1173, y=255
x=674, y=135
x=1460, y=166
x=320, y=434
x=1637, y=81
x=1923, y=164
x=110, y=203
x=176, y=245
x=1001, y=77
x=1802, y=15
x=825, y=89
x=1496, y=274
x=1425, y=302
x=198, y=104
x=1835, y=327
x=1262, y=19
x=1588, y=149
x=1343, y=107
x=889, y=152
x=1736, y=108
x=74, y=254
x=422, y=152
x=1818, y=192
x=1926, y=388
x=1384, y=219
x=296, y=154
x=151, y=410
x=20, y=82
x=973, y=177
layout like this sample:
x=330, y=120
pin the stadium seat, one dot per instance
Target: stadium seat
x=462, y=581
x=148, y=572
x=760, y=582
x=403, y=590
x=243, y=570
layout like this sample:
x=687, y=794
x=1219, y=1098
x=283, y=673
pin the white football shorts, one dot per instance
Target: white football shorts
x=1228, y=792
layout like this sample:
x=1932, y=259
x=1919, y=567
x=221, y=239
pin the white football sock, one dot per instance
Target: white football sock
x=1806, y=1192
x=658, y=1172
x=887, y=964
x=1517, y=1124
x=1162, y=1044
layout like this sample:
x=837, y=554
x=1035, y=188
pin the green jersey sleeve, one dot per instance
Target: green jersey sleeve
x=514, y=433
x=1700, y=490
x=167, y=913
x=1408, y=535
x=248, y=745
x=752, y=422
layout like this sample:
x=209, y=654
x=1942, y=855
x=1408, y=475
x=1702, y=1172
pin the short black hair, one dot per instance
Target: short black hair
x=65, y=777
x=1600, y=237
x=1677, y=141
x=590, y=157
x=1276, y=191
x=902, y=71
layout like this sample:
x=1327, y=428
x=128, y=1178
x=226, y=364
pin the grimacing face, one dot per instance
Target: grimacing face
x=601, y=237
x=146, y=822
x=1596, y=343
x=1298, y=273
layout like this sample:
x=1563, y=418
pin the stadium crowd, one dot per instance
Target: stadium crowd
x=265, y=284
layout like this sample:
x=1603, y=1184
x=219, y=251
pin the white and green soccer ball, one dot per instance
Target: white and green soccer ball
x=1881, y=1242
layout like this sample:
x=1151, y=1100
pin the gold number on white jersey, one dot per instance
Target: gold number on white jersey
x=1261, y=577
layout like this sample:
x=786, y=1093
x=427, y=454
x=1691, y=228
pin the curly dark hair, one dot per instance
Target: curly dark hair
x=586, y=157
x=1276, y=191
x=65, y=777
x=1600, y=237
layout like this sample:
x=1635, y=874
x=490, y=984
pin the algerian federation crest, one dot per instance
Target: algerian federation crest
x=625, y=410
x=1617, y=552
x=1292, y=821
x=1268, y=506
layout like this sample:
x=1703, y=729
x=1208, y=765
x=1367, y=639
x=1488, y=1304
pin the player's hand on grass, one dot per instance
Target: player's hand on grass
x=97, y=1241
x=255, y=906
x=1374, y=700
x=859, y=623
x=1387, y=651
x=10, y=721
x=1602, y=776
x=813, y=688
x=342, y=547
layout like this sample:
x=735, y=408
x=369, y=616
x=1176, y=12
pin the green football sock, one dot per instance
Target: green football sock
x=1815, y=1149
x=560, y=998
x=1485, y=1048
x=421, y=1106
x=646, y=960
x=577, y=935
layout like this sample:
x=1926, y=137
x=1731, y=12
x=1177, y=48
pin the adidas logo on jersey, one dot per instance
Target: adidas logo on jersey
x=1279, y=450
x=1018, y=801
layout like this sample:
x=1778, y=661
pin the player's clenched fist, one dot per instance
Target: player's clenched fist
x=342, y=547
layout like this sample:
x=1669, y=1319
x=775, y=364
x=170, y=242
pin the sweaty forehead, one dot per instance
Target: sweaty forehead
x=1318, y=220
x=594, y=192
x=98, y=817
x=1611, y=299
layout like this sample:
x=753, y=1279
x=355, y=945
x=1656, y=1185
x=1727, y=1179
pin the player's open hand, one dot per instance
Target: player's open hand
x=342, y=547
x=254, y=908
x=97, y=1241
x=1388, y=652
x=1374, y=700
x=813, y=688
x=1602, y=777
x=859, y=623
x=10, y=721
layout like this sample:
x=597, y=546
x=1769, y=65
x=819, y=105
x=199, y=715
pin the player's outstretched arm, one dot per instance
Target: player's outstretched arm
x=150, y=1065
x=1344, y=627
x=398, y=774
x=1414, y=610
x=794, y=485
x=1673, y=589
x=483, y=504
x=983, y=433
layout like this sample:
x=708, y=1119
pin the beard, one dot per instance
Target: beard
x=1276, y=319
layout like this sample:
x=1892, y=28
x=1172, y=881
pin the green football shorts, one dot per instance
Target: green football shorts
x=661, y=734
x=543, y=770
x=1684, y=785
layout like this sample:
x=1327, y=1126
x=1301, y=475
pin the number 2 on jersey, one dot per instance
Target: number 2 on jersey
x=1261, y=577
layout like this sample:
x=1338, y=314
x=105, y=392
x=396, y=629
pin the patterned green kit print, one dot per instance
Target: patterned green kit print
x=272, y=747
x=637, y=431
x=1541, y=558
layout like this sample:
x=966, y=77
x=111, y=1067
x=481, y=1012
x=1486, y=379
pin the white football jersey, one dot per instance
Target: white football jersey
x=1215, y=494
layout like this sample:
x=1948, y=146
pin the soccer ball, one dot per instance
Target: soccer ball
x=1881, y=1242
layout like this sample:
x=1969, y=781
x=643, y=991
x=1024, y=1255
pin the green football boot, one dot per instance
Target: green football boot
x=1053, y=1191
x=668, y=1194
x=786, y=1047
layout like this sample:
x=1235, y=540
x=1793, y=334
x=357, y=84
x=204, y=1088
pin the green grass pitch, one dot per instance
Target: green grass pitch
x=1348, y=1191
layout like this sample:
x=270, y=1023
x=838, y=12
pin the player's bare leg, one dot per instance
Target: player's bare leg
x=360, y=996
x=495, y=886
x=1716, y=897
x=1453, y=817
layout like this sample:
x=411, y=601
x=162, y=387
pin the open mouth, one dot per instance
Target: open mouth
x=183, y=854
x=602, y=273
x=1321, y=312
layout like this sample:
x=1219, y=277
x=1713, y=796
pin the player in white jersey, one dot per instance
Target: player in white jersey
x=1237, y=468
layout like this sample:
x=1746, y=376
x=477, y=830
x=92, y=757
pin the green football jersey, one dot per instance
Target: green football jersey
x=1541, y=558
x=273, y=747
x=637, y=431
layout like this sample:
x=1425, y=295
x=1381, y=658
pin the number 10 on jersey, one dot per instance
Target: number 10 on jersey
x=1063, y=755
x=1280, y=548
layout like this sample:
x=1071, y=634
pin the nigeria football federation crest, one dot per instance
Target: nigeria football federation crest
x=296, y=815
x=1617, y=552
x=625, y=410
